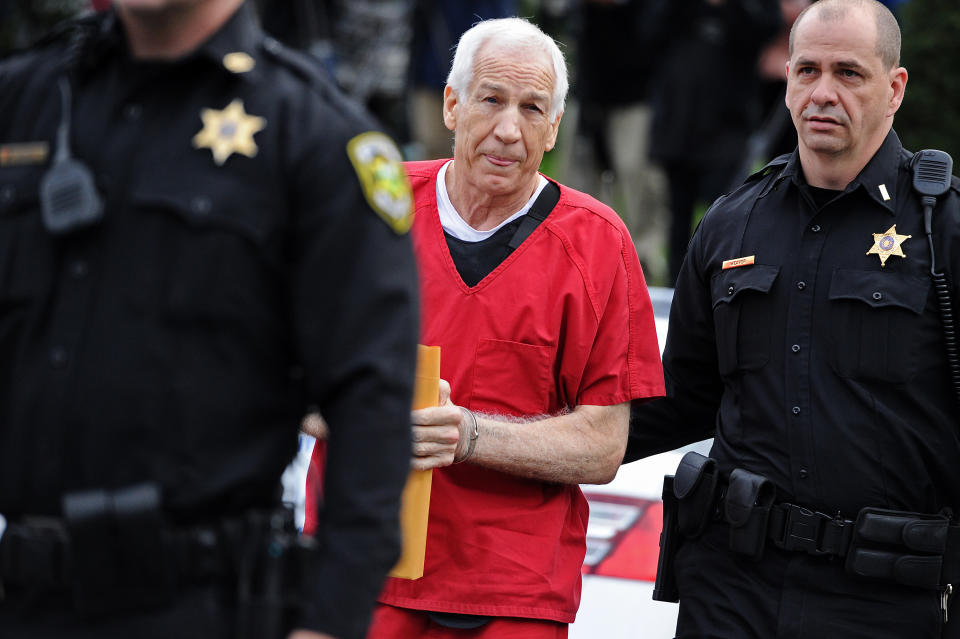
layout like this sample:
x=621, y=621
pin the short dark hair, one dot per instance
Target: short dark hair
x=888, y=31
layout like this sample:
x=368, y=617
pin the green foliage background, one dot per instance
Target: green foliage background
x=930, y=114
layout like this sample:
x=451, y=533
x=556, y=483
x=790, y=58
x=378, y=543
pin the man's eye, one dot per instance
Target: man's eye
x=534, y=108
x=806, y=71
x=490, y=100
x=849, y=73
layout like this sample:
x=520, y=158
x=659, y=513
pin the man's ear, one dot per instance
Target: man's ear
x=786, y=74
x=450, y=104
x=554, y=129
x=898, y=86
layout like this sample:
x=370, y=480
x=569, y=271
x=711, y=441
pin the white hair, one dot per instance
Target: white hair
x=512, y=33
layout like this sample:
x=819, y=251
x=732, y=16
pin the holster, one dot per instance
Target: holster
x=689, y=502
x=274, y=567
x=747, y=506
x=906, y=548
x=665, y=586
x=695, y=487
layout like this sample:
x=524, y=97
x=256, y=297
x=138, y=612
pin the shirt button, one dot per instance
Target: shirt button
x=58, y=357
x=803, y=473
x=201, y=205
x=795, y=348
x=132, y=112
x=730, y=290
x=815, y=228
x=877, y=295
x=79, y=269
x=795, y=410
x=801, y=285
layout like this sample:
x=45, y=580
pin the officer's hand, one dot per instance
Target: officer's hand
x=309, y=634
x=437, y=432
x=313, y=424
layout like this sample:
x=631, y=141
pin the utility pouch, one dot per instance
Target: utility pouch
x=695, y=487
x=119, y=556
x=746, y=508
x=665, y=587
x=903, y=547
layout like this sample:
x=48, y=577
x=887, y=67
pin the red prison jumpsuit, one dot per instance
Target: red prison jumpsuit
x=564, y=320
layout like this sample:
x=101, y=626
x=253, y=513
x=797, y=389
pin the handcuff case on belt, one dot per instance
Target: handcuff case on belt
x=907, y=548
x=747, y=506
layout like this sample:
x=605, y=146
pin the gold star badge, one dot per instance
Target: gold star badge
x=228, y=131
x=888, y=243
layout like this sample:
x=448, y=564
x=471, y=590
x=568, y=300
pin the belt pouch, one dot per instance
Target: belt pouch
x=903, y=547
x=747, y=508
x=695, y=486
x=118, y=551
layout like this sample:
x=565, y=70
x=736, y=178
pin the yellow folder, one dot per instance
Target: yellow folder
x=415, y=505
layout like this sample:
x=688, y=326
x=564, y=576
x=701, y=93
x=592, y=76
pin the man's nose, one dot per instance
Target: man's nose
x=508, y=126
x=824, y=92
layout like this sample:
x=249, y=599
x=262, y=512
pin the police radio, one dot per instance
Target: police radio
x=932, y=170
x=68, y=195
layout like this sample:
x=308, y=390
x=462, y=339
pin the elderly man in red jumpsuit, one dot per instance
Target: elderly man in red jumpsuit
x=535, y=295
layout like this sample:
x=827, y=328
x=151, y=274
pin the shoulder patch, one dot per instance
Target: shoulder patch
x=379, y=165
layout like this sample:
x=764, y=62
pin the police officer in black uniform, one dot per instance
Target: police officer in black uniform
x=199, y=240
x=805, y=337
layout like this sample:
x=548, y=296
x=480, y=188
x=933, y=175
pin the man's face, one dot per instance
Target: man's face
x=502, y=124
x=840, y=95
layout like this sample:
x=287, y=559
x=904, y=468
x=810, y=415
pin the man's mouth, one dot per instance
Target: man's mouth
x=497, y=160
x=822, y=123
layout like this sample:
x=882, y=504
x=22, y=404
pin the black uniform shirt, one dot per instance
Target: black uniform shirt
x=228, y=288
x=815, y=365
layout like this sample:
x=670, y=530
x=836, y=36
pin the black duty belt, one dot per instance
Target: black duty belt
x=910, y=548
x=37, y=552
x=114, y=551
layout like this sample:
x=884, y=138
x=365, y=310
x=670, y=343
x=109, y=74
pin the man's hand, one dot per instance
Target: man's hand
x=313, y=424
x=437, y=432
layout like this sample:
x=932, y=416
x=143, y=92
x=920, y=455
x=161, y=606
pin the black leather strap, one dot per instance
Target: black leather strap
x=541, y=208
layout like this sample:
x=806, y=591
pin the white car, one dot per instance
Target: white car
x=623, y=535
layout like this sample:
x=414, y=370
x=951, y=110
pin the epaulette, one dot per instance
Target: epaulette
x=319, y=80
x=775, y=164
x=306, y=67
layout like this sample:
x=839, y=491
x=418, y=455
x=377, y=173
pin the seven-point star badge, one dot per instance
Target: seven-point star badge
x=888, y=243
x=228, y=131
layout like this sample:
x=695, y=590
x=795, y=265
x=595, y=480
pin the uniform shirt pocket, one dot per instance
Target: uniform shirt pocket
x=740, y=299
x=874, y=316
x=512, y=378
x=214, y=267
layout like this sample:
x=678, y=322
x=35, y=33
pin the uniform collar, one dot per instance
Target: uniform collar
x=878, y=178
x=239, y=36
x=236, y=45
